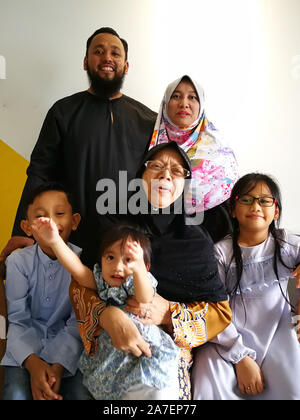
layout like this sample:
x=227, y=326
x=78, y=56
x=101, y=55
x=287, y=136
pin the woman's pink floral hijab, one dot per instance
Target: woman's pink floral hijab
x=214, y=165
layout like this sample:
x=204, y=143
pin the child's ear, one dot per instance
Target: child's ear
x=25, y=226
x=276, y=215
x=148, y=267
x=76, y=220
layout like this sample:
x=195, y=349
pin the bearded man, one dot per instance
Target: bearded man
x=89, y=136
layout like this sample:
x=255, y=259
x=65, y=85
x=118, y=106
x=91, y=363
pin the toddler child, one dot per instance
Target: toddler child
x=125, y=260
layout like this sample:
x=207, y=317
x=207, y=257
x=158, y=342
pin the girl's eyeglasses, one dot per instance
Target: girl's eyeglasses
x=177, y=171
x=248, y=200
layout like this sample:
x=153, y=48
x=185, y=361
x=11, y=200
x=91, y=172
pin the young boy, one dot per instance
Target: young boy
x=42, y=334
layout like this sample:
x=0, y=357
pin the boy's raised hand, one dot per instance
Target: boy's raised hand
x=45, y=230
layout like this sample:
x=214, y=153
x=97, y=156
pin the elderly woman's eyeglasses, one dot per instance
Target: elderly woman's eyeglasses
x=177, y=171
x=248, y=200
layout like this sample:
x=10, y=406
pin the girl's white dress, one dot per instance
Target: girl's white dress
x=261, y=327
x=110, y=373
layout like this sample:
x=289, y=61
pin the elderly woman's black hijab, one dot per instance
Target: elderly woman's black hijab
x=161, y=219
x=183, y=259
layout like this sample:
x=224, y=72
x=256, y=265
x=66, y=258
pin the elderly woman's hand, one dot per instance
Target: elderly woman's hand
x=123, y=332
x=158, y=312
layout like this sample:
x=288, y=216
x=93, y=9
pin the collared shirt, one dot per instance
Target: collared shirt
x=40, y=314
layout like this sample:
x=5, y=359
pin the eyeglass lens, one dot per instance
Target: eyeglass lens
x=177, y=170
x=262, y=201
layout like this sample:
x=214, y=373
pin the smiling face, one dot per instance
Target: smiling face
x=163, y=188
x=255, y=219
x=184, y=106
x=55, y=205
x=106, y=57
x=114, y=265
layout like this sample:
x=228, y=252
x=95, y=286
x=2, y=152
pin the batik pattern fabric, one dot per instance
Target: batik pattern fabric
x=110, y=373
x=88, y=308
x=214, y=167
x=193, y=325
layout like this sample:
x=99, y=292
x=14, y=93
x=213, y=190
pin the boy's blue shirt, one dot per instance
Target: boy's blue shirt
x=41, y=319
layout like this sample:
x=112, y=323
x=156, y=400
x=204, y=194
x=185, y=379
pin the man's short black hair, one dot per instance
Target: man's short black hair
x=107, y=30
x=46, y=186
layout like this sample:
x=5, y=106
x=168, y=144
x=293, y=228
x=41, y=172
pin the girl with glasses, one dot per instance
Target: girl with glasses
x=257, y=356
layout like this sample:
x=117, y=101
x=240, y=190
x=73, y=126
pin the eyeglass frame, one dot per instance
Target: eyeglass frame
x=237, y=198
x=187, y=173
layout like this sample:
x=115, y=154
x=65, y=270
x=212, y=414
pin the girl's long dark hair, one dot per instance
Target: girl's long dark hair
x=243, y=186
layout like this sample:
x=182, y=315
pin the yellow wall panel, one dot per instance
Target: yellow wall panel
x=13, y=176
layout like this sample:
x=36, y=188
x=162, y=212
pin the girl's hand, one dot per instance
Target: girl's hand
x=135, y=266
x=296, y=273
x=134, y=253
x=45, y=230
x=249, y=377
x=123, y=332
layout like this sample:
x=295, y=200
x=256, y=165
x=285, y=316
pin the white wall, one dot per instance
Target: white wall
x=246, y=54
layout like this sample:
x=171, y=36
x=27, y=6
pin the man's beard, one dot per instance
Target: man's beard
x=106, y=88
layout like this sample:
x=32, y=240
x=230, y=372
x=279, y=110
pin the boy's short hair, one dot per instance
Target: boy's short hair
x=45, y=187
x=123, y=231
